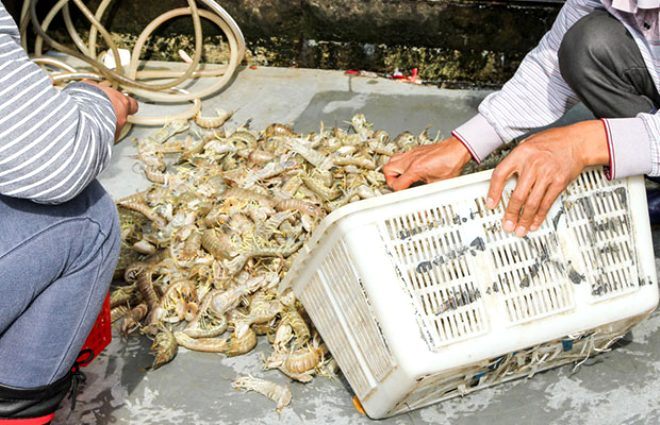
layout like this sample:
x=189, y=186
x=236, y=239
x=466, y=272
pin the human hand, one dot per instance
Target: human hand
x=428, y=164
x=122, y=104
x=545, y=164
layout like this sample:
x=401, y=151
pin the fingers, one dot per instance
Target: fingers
x=391, y=172
x=124, y=106
x=517, y=201
x=545, y=166
x=132, y=106
x=551, y=195
x=501, y=174
x=428, y=163
x=404, y=181
x=531, y=207
x=397, y=171
x=128, y=104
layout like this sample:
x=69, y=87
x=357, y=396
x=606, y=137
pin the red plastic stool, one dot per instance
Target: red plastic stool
x=97, y=340
x=32, y=421
x=99, y=337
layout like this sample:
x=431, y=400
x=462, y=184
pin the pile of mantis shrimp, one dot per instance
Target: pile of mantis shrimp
x=206, y=246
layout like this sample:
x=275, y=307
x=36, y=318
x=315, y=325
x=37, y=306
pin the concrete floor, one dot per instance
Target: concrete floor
x=619, y=387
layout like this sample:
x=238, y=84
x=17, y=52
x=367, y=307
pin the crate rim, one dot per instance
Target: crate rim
x=331, y=219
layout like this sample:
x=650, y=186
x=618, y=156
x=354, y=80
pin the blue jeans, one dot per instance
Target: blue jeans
x=56, y=264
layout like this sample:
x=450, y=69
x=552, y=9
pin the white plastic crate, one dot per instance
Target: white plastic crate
x=420, y=296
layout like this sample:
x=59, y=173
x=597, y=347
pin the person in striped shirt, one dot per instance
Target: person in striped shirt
x=603, y=53
x=59, y=232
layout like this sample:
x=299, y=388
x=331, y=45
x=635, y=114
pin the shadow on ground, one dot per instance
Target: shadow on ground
x=392, y=113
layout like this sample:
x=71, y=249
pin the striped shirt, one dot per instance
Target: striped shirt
x=537, y=95
x=52, y=143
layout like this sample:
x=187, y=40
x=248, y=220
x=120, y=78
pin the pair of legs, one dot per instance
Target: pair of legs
x=56, y=263
x=601, y=62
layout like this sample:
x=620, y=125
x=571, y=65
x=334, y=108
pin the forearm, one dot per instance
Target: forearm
x=589, y=143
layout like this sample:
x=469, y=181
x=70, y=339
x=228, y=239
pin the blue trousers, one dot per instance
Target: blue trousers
x=56, y=264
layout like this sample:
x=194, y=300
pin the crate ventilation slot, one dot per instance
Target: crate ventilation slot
x=599, y=217
x=433, y=260
x=338, y=280
x=449, y=277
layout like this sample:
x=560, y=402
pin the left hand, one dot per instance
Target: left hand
x=545, y=164
x=122, y=104
x=426, y=163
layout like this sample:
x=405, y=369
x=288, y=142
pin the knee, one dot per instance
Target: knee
x=588, y=44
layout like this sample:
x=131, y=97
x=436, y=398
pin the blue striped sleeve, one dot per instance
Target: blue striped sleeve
x=52, y=143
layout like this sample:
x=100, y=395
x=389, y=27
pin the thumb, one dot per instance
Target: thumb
x=132, y=106
x=404, y=181
x=391, y=171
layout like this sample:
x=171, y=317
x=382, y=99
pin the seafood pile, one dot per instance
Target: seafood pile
x=205, y=247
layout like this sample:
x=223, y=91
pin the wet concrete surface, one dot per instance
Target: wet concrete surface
x=619, y=387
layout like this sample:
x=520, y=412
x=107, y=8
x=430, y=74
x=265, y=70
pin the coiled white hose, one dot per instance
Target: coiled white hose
x=163, y=86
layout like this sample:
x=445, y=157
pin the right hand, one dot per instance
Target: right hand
x=428, y=164
x=123, y=105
